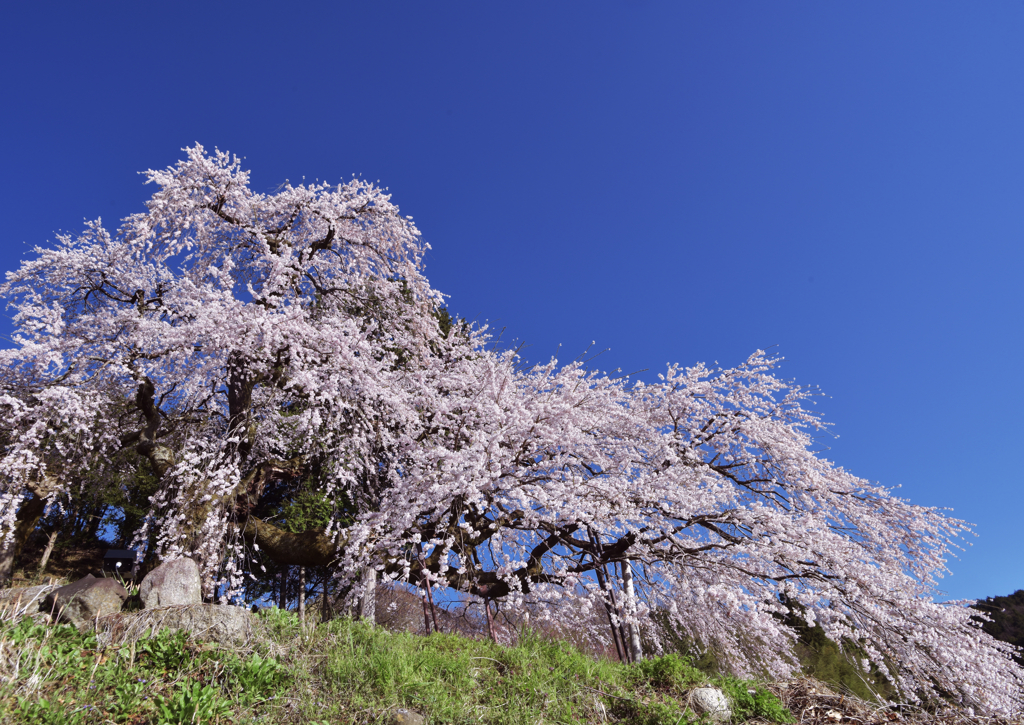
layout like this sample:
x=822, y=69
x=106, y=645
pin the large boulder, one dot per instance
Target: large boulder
x=82, y=602
x=219, y=623
x=171, y=583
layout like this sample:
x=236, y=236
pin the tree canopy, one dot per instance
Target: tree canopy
x=236, y=344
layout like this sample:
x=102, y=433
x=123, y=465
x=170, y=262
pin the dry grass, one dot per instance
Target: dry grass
x=813, y=703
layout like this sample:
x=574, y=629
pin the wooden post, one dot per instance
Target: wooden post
x=46, y=553
x=636, y=651
x=368, y=601
x=490, y=620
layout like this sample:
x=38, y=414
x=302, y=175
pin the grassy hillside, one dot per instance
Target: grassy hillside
x=1007, y=619
x=341, y=672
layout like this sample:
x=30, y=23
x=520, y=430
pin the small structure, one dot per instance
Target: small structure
x=121, y=562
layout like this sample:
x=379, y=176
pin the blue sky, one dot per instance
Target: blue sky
x=684, y=181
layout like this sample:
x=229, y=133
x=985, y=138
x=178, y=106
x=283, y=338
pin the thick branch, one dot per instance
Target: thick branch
x=309, y=548
x=160, y=457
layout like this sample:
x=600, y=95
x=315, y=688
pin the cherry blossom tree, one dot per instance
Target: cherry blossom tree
x=238, y=342
x=236, y=325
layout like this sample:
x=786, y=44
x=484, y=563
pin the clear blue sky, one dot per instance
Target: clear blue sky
x=679, y=181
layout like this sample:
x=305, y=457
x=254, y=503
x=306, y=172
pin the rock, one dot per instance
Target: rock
x=23, y=601
x=173, y=582
x=219, y=623
x=401, y=716
x=712, y=702
x=81, y=602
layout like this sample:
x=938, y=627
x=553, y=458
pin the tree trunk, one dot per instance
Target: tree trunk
x=302, y=594
x=433, y=610
x=326, y=610
x=611, y=615
x=309, y=548
x=635, y=648
x=94, y=521
x=25, y=522
x=618, y=633
x=46, y=553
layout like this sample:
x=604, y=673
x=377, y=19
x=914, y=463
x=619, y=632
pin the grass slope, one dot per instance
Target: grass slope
x=341, y=672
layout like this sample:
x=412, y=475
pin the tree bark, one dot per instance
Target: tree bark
x=601, y=581
x=302, y=594
x=433, y=610
x=25, y=522
x=95, y=519
x=326, y=610
x=618, y=633
x=309, y=548
x=426, y=586
x=160, y=457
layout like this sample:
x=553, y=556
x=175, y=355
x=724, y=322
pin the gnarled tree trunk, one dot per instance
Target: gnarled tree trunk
x=25, y=523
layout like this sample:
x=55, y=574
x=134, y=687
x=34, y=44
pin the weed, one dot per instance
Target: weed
x=753, y=701
x=668, y=672
x=258, y=677
x=281, y=622
x=31, y=711
x=192, y=703
x=129, y=694
x=167, y=651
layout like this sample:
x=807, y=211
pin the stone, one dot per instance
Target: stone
x=221, y=623
x=173, y=582
x=401, y=716
x=23, y=601
x=82, y=602
x=712, y=702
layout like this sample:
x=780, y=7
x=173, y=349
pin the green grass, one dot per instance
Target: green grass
x=341, y=672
